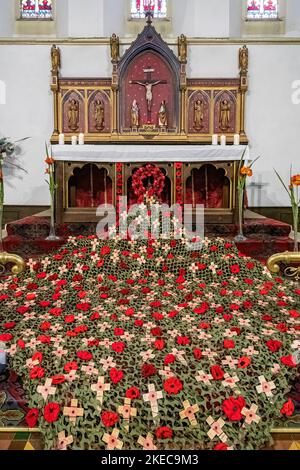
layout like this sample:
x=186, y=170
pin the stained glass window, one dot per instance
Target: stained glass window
x=140, y=7
x=262, y=9
x=36, y=9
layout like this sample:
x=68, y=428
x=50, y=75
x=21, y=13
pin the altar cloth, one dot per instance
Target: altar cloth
x=149, y=153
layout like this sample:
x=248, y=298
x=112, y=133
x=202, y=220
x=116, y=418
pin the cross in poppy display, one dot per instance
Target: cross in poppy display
x=189, y=412
x=127, y=412
x=112, y=440
x=73, y=412
x=153, y=396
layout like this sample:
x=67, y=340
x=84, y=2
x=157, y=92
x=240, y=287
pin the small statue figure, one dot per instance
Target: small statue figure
x=99, y=115
x=224, y=120
x=115, y=48
x=55, y=59
x=243, y=59
x=162, y=115
x=135, y=114
x=198, y=114
x=182, y=48
x=73, y=115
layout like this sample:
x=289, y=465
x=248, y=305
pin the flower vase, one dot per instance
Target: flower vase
x=52, y=235
x=240, y=237
x=295, y=227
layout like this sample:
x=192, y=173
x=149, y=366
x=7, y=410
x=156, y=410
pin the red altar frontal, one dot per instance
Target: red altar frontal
x=148, y=102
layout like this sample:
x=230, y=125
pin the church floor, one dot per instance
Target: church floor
x=25, y=440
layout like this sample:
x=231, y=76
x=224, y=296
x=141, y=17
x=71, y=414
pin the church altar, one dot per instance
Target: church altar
x=149, y=153
x=148, y=111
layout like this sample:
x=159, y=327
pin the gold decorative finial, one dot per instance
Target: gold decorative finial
x=115, y=48
x=244, y=59
x=182, y=48
x=55, y=59
x=9, y=258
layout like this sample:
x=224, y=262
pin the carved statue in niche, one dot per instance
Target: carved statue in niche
x=135, y=114
x=244, y=57
x=162, y=115
x=224, y=120
x=198, y=114
x=99, y=115
x=73, y=115
x=182, y=48
x=55, y=59
x=114, y=48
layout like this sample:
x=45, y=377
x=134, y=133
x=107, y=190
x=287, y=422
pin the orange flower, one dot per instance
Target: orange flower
x=49, y=161
x=295, y=180
x=246, y=171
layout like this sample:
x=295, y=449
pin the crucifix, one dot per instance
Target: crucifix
x=149, y=83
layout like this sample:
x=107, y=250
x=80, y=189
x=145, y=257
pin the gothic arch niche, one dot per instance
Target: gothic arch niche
x=209, y=186
x=73, y=112
x=197, y=124
x=96, y=100
x=225, y=114
x=149, y=60
x=90, y=186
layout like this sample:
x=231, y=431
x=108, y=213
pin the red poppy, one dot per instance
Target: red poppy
x=37, y=373
x=229, y=344
x=204, y=307
x=244, y=362
x=221, y=446
x=183, y=340
x=288, y=408
x=116, y=375
x=58, y=379
x=85, y=355
x=118, y=347
x=156, y=332
x=164, y=432
x=139, y=323
x=288, y=361
x=217, y=372
x=197, y=353
x=169, y=359
x=118, y=332
x=232, y=407
x=6, y=337
x=148, y=370
x=132, y=393
x=51, y=412
x=173, y=386
x=159, y=344
x=10, y=325
x=109, y=418
x=273, y=345
x=32, y=417
x=235, y=269
x=69, y=319
x=45, y=326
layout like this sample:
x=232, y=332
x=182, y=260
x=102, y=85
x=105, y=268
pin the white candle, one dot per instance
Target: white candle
x=214, y=139
x=74, y=140
x=223, y=140
x=61, y=139
x=236, y=139
x=81, y=139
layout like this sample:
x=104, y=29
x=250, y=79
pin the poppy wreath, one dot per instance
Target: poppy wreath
x=141, y=175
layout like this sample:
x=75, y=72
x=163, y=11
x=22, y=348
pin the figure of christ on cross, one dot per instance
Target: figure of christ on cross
x=148, y=84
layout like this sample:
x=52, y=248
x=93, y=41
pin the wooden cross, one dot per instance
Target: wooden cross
x=127, y=412
x=216, y=429
x=149, y=83
x=153, y=396
x=100, y=387
x=189, y=412
x=63, y=442
x=73, y=411
x=147, y=442
x=112, y=440
x=47, y=389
